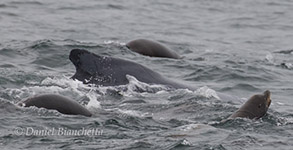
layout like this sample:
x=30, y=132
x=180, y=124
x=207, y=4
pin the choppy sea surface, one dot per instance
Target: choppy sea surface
x=239, y=48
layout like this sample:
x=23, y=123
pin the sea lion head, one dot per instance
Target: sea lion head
x=256, y=107
x=263, y=102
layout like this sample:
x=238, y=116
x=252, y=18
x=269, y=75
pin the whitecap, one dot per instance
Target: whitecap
x=93, y=104
x=128, y=113
x=287, y=65
x=53, y=85
x=207, y=92
x=117, y=43
x=135, y=86
x=270, y=58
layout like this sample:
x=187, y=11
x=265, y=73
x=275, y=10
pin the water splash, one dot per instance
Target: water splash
x=207, y=92
x=93, y=104
x=287, y=65
x=136, y=86
x=131, y=113
x=67, y=84
x=51, y=85
x=190, y=127
x=117, y=43
x=270, y=58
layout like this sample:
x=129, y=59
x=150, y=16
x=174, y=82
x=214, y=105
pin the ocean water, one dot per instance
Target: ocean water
x=239, y=48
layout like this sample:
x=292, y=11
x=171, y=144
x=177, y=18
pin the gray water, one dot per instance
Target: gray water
x=239, y=48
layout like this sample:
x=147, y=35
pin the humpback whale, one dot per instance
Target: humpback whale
x=110, y=71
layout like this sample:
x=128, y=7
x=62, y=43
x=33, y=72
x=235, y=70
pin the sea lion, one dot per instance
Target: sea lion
x=151, y=48
x=255, y=107
x=109, y=71
x=60, y=103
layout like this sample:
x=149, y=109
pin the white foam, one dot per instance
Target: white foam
x=270, y=57
x=93, y=104
x=115, y=43
x=207, y=92
x=55, y=85
x=132, y=113
x=195, y=128
x=66, y=83
x=289, y=120
x=185, y=142
x=189, y=127
x=284, y=121
x=135, y=85
x=209, y=50
x=144, y=88
x=288, y=65
x=133, y=81
x=280, y=103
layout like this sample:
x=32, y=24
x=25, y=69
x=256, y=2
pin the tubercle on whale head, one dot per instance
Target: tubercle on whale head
x=75, y=55
x=82, y=59
x=21, y=104
x=86, y=64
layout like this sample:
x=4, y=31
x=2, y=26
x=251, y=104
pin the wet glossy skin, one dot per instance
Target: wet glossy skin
x=56, y=102
x=151, y=48
x=109, y=71
x=255, y=108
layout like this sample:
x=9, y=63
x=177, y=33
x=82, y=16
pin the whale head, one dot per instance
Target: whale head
x=85, y=64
